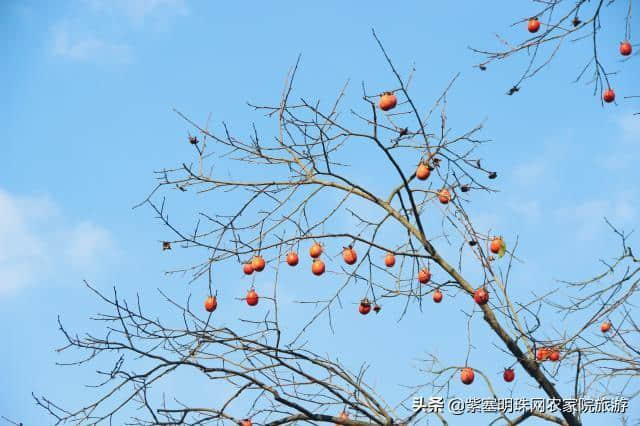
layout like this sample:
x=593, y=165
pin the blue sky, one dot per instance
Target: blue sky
x=89, y=87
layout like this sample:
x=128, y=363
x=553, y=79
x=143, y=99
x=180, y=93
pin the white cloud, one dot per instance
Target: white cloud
x=86, y=33
x=21, y=251
x=88, y=48
x=86, y=243
x=36, y=244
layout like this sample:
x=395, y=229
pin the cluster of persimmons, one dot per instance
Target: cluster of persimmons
x=497, y=246
x=609, y=95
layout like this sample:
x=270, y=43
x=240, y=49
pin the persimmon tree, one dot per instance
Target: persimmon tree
x=298, y=187
x=567, y=24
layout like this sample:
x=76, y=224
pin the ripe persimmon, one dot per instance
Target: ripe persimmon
x=467, y=375
x=315, y=251
x=496, y=244
x=252, y=298
x=508, y=375
x=389, y=260
x=609, y=96
x=422, y=172
x=542, y=354
x=424, y=275
x=349, y=255
x=317, y=267
x=365, y=306
x=444, y=196
x=625, y=48
x=533, y=25
x=481, y=296
x=258, y=263
x=388, y=101
x=292, y=258
x=247, y=268
x=210, y=304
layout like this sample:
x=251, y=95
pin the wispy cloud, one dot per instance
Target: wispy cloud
x=72, y=46
x=587, y=216
x=86, y=243
x=36, y=243
x=22, y=252
x=87, y=33
x=533, y=201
